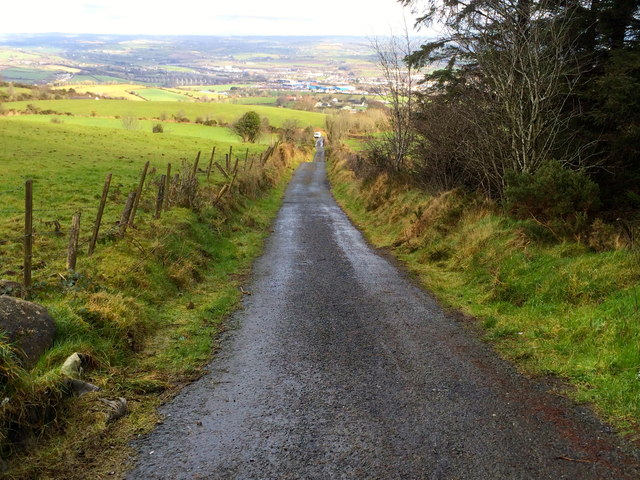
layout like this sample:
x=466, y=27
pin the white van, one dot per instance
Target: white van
x=317, y=135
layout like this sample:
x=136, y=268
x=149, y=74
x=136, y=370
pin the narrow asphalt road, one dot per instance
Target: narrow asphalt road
x=339, y=367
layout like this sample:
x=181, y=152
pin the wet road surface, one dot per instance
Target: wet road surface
x=339, y=367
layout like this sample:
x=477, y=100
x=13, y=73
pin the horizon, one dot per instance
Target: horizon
x=356, y=18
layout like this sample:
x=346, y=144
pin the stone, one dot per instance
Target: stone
x=72, y=366
x=28, y=327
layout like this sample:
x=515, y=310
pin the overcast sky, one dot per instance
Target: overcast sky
x=205, y=17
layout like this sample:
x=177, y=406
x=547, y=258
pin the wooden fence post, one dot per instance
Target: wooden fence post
x=126, y=213
x=246, y=158
x=213, y=152
x=222, y=170
x=28, y=237
x=167, y=188
x=195, y=166
x=235, y=173
x=227, y=163
x=223, y=190
x=103, y=201
x=138, y=194
x=72, y=250
x=160, y=199
x=230, y=158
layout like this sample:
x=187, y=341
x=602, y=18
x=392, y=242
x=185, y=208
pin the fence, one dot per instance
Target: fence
x=181, y=189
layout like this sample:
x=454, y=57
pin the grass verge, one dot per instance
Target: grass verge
x=146, y=310
x=552, y=308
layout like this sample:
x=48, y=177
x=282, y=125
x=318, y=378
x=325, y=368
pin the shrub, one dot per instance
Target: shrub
x=180, y=117
x=56, y=120
x=602, y=236
x=130, y=122
x=557, y=197
x=248, y=127
x=157, y=128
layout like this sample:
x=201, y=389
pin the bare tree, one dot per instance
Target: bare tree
x=397, y=89
x=509, y=74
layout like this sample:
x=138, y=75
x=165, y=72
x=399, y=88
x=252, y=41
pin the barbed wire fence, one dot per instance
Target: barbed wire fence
x=181, y=189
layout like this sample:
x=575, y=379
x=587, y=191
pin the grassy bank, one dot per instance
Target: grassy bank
x=145, y=310
x=552, y=308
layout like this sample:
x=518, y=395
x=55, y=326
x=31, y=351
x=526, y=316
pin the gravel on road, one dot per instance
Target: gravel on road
x=340, y=367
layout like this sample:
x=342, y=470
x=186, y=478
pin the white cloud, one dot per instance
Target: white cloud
x=200, y=17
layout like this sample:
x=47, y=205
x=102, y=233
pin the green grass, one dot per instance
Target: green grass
x=220, y=111
x=16, y=90
x=16, y=55
x=96, y=79
x=254, y=100
x=24, y=75
x=68, y=164
x=148, y=307
x=160, y=95
x=214, y=133
x=553, y=309
x=219, y=88
x=174, y=68
x=355, y=144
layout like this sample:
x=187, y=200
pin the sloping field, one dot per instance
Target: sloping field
x=221, y=112
x=118, y=90
x=218, y=88
x=68, y=164
x=161, y=95
x=215, y=134
x=24, y=75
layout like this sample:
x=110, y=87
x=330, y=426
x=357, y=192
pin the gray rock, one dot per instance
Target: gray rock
x=28, y=326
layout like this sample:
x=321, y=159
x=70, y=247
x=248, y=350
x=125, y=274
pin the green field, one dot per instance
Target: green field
x=222, y=112
x=161, y=95
x=215, y=134
x=97, y=79
x=174, y=68
x=68, y=163
x=253, y=100
x=16, y=55
x=24, y=75
x=119, y=90
x=16, y=90
x=219, y=88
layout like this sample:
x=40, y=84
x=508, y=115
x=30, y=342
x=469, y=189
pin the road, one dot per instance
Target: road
x=340, y=367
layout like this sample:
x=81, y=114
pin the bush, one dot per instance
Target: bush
x=130, y=122
x=560, y=198
x=180, y=117
x=158, y=128
x=248, y=127
x=290, y=131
